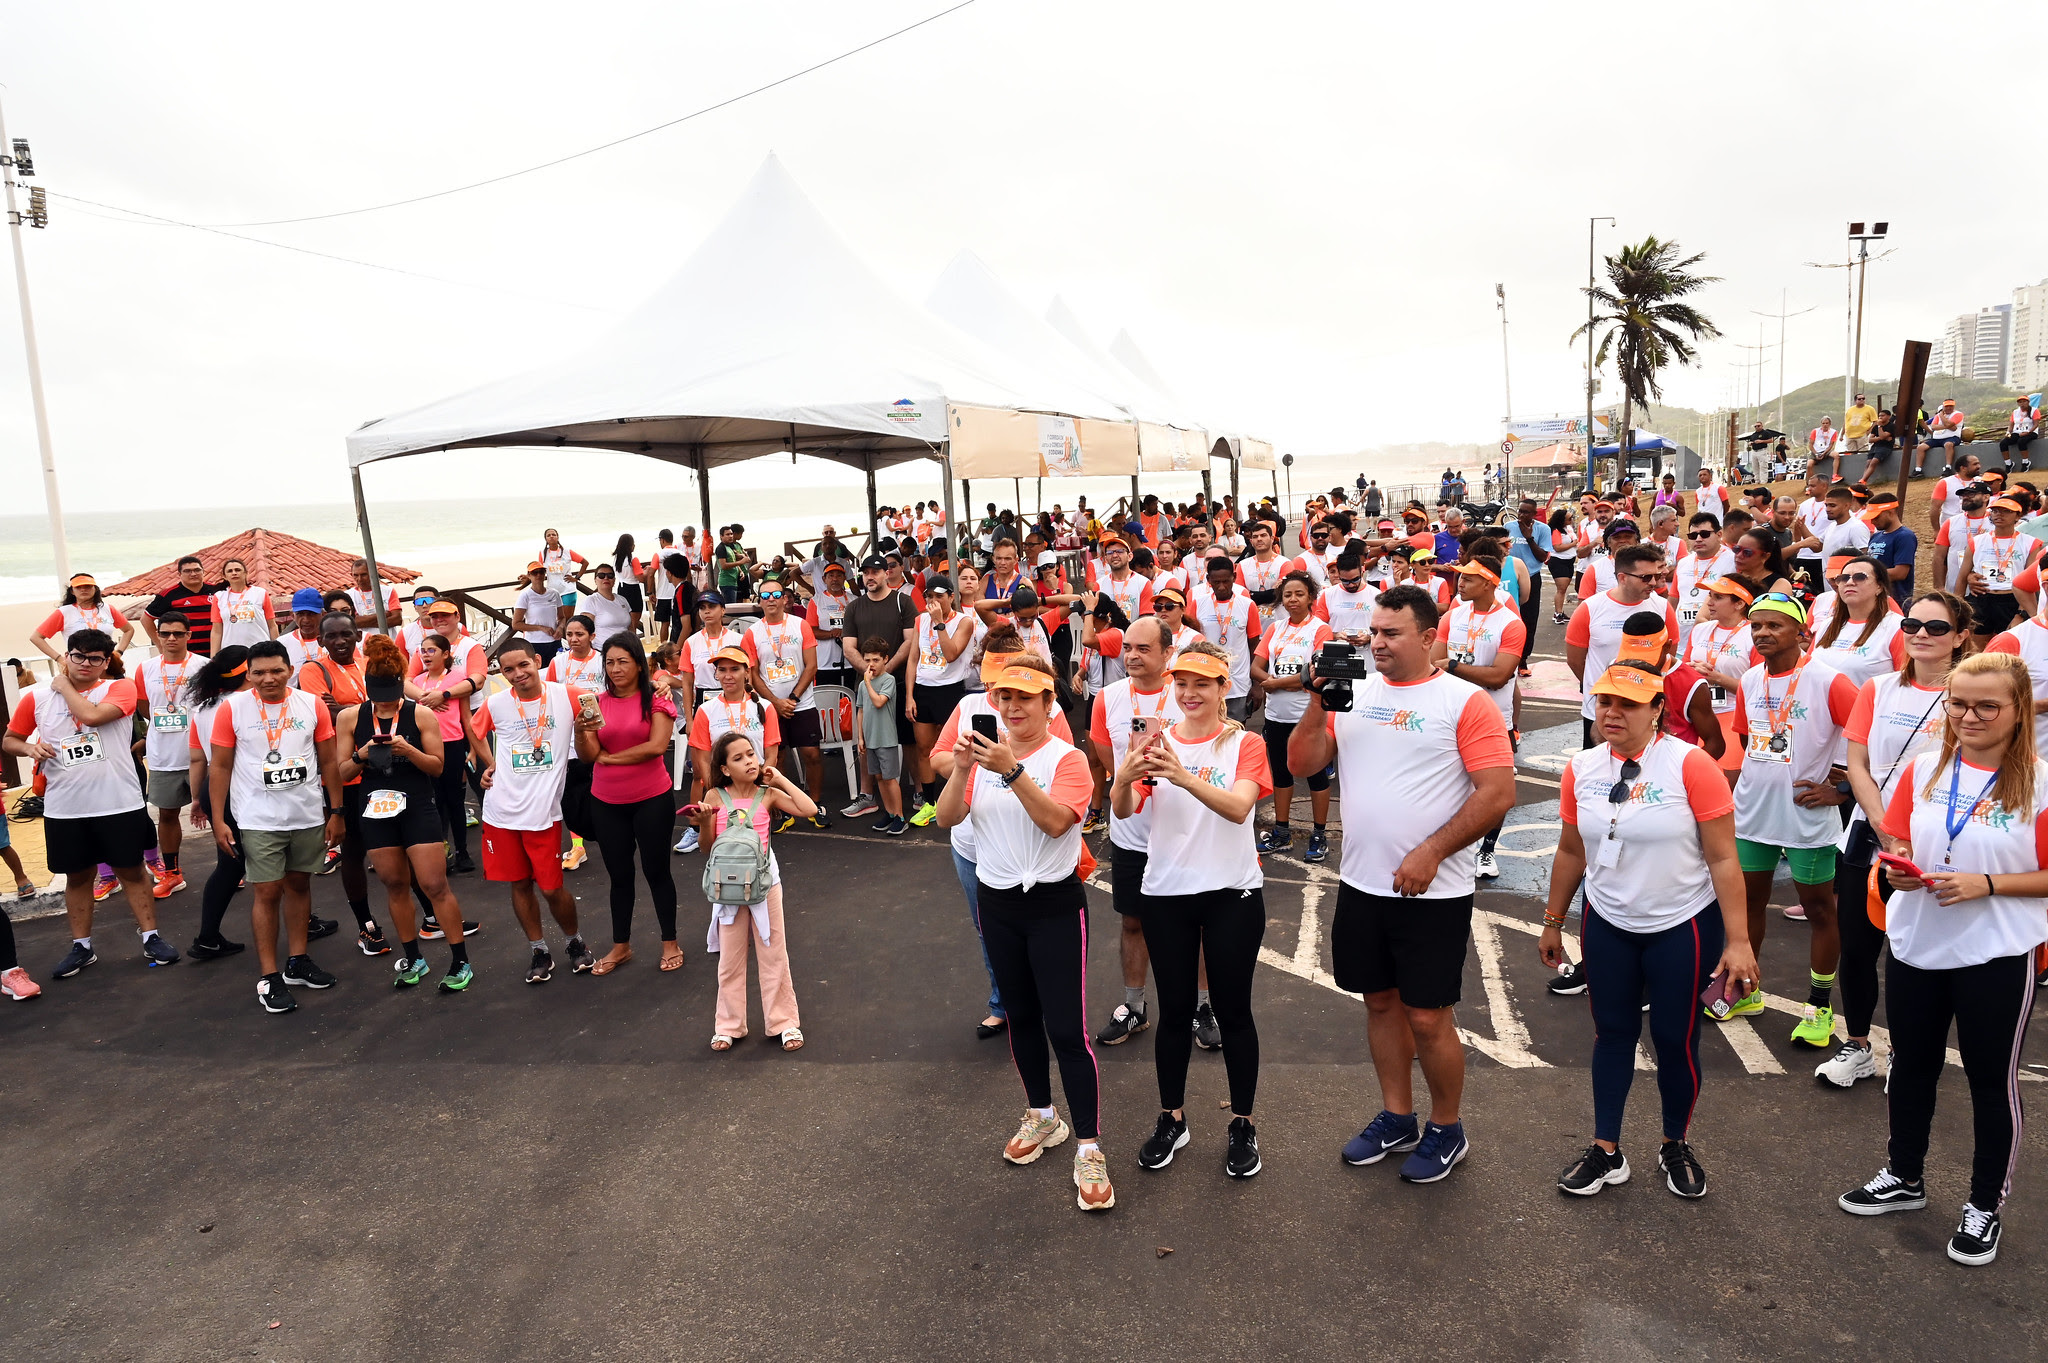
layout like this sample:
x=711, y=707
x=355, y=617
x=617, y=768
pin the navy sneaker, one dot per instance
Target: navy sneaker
x=898, y=826
x=1318, y=846
x=78, y=958
x=1387, y=1134
x=1441, y=1149
x=156, y=951
x=1276, y=840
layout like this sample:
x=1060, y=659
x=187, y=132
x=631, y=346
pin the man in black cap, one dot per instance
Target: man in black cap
x=881, y=610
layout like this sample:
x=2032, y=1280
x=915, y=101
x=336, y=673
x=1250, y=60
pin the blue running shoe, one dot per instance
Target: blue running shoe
x=1441, y=1149
x=1387, y=1134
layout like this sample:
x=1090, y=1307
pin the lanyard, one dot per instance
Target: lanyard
x=2005, y=556
x=735, y=715
x=1954, y=825
x=534, y=723
x=1475, y=629
x=1718, y=649
x=1779, y=715
x=172, y=684
x=273, y=733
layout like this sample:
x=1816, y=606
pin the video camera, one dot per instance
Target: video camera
x=1338, y=664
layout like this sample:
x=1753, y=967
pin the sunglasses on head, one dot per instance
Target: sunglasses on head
x=1934, y=629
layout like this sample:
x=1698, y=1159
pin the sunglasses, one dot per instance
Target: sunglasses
x=1744, y=551
x=769, y=596
x=1854, y=579
x=1933, y=629
x=1630, y=770
x=1701, y=534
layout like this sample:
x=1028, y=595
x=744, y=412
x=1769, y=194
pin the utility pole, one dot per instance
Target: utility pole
x=1862, y=240
x=1507, y=448
x=20, y=163
x=1591, y=475
x=1781, y=314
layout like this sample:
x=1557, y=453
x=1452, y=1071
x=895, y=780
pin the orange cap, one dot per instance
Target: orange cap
x=1643, y=648
x=443, y=608
x=730, y=654
x=1728, y=586
x=992, y=665
x=1630, y=682
x=1020, y=679
x=1478, y=570
x=1200, y=665
x=1172, y=593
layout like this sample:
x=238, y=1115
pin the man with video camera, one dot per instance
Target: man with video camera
x=1438, y=747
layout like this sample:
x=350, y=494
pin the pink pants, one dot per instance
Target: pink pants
x=771, y=963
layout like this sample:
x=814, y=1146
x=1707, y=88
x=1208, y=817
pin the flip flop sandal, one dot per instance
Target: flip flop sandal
x=793, y=1040
x=674, y=962
x=606, y=965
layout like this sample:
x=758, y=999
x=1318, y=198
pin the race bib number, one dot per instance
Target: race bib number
x=80, y=748
x=538, y=757
x=242, y=614
x=1464, y=659
x=1997, y=580
x=776, y=670
x=1287, y=667
x=384, y=804
x=1688, y=615
x=286, y=773
x=1770, y=748
x=170, y=721
x=833, y=619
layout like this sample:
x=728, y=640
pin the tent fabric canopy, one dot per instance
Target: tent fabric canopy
x=1646, y=441
x=773, y=338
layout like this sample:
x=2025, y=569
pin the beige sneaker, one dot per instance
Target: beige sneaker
x=1091, y=1178
x=1034, y=1136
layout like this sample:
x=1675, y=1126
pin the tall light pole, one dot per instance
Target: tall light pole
x=1862, y=240
x=20, y=163
x=1781, y=314
x=1507, y=453
x=1590, y=224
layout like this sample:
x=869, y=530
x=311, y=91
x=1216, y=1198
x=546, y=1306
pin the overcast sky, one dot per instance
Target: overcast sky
x=1299, y=210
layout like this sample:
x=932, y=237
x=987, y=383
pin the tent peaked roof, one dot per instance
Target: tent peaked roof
x=1125, y=352
x=281, y=562
x=772, y=337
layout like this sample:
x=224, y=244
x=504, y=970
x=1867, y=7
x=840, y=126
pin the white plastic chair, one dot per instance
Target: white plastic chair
x=830, y=699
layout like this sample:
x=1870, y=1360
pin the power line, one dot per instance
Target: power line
x=604, y=146
x=138, y=218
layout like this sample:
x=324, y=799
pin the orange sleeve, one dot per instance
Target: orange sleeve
x=323, y=726
x=810, y=639
x=811, y=613
x=949, y=732
x=1568, y=797
x=1071, y=785
x=1265, y=648
x=1898, y=813
x=1862, y=713
x=747, y=643
x=700, y=731
x=2029, y=579
x=1941, y=535
x=1320, y=610
x=771, y=726
x=1514, y=638
x=48, y=629
x=1109, y=643
x=1098, y=724
x=1842, y=699
x=192, y=741
x=1706, y=787
x=1483, y=735
x=120, y=692
x=1145, y=599
x=477, y=667
x=1580, y=630
x=2007, y=642
x=1670, y=622
x=1252, y=763
x=1059, y=728
x=1898, y=649
x=1585, y=588
x=312, y=682
x=224, y=728
x=120, y=620
x=23, y=722
x=482, y=722
x=213, y=609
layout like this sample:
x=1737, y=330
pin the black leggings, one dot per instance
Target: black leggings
x=1668, y=969
x=1989, y=1004
x=1531, y=608
x=1225, y=927
x=1037, y=944
x=220, y=887
x=448, y=793
x=648, y=825
x=1277, y=733
x=1862, y=948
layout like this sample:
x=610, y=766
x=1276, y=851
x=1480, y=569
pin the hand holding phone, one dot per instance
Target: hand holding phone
x=985, y=725
x=1715, y=996
x=1899, y=869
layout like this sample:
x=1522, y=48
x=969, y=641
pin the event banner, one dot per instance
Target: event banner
x=1550, y=430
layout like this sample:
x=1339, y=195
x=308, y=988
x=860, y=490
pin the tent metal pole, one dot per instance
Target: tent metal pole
x=874, y=516
x=355, y=476
x=952, y=526
x=703, y=494
x=1233, y=479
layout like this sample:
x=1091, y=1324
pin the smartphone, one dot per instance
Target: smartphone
x=1901, y=865
x=382, y=738
x=587, y=705
x=985, y=725
x=1714, y=996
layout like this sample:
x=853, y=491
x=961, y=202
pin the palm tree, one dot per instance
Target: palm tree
x=1644, y=325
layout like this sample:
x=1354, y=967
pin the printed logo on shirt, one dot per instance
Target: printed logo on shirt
x=1899, y=719
x=1985, y=811
x=1408, y=721
x=1645, y=793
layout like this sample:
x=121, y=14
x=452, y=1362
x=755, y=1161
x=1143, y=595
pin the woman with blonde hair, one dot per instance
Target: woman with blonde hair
x=1965, y=828
x=1203, y=891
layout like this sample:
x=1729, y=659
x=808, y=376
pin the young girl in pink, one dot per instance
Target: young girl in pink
x=739, y=783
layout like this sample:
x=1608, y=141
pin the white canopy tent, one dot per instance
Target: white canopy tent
x=773, y=338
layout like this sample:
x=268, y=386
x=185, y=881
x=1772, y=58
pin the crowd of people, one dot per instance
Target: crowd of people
x=1762, y=683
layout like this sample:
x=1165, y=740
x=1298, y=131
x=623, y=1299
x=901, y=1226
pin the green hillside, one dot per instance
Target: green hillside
x=1986, y=403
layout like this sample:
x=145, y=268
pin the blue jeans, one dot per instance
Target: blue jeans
x=964, y=868
x=1668, y=970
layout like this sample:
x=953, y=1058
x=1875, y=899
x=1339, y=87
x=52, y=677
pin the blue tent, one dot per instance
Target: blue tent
x=1646, y=442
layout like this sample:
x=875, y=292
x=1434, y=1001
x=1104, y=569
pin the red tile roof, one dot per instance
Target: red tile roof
x=282, y=562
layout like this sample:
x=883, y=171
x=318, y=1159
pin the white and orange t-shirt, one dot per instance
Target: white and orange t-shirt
x=67, y=620
x=280, y=793
x=716, y=716
x=584, y=674
x=1191, y=848
x=1808, y=708
x=92, y=773
x=1234, y=625
x=1947, y=496
x=1994, y=841
x=1011, y=851
x=1349, y=613
x=1655, y=876
x=535, y=741
x=778, y=654
x=240, y=617
x=698, y=650
x=1596, y=627
x=1895, y=722
x=1954, y=536
x=1423, y=739
x=976, y=703
x=163, y=686
x=1477, y=638
x=1716, y=648
x=2028, y=641
x=1287, y=650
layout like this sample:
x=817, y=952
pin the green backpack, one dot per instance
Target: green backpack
x=736, y=868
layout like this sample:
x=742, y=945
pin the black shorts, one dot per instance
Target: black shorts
x=76, y=847
x=417, y=825
x=629, y=592
x=802, y=730
x=1416, y=946
x=664, y=612
x=1992, y=613
x=1127, y=880
x=935, y=704
x=1278, y=731
x=1561, y=568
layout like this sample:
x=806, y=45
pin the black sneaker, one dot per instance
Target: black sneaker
x=1208, y=1035
x=301, y=971
x=898, y=826
x=1976, y=1239
x=1242, y=1161
x=885, y=824
x=75, y=960
x=373, y=942
x=461, y=866
x=330, y=863
x=1885, y=1193
x=1592, y=1171
x=820, y=820
x=542, y=970
x=157, y=951
x=272, y=994
x=1682, y=1172
x=581, y=957
x=318, y=927
x=213, y=951
x=1125, y=1023
x=430, y=930
x=1167, y=1136
x=1570, y=980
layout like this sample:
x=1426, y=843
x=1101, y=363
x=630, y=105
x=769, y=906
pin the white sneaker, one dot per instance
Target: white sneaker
x=1847, y=1065
x=1487, y=867
x=689, y=842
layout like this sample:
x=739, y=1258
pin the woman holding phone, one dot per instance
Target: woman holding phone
x=1202, y=780
x=1963, y=835
x=624, y=733
x=1666, y=916
x=1896, y=717
x=1027, y=791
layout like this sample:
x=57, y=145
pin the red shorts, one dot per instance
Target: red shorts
x=516, y=854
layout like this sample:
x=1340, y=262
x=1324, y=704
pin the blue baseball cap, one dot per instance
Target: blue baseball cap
x=307, y=599
x=710, y=599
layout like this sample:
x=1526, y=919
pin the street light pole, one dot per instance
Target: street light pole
x=1781, y=314
x=1507, y=453
x=1862, y=240
x=1590, y=222
x=60, y=550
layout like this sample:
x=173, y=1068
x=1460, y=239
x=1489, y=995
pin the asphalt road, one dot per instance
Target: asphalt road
x=567, y=1171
